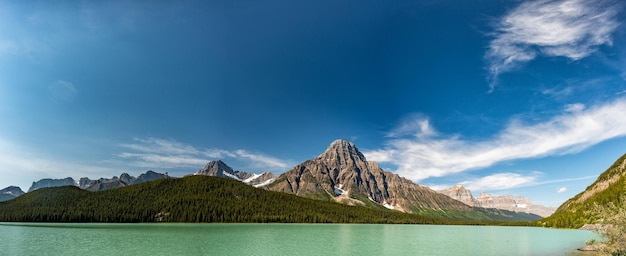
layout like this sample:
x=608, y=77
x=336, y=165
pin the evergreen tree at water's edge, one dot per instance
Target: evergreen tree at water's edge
x=191, y=199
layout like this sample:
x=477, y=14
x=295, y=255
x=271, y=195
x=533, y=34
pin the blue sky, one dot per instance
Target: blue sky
x=506, y=97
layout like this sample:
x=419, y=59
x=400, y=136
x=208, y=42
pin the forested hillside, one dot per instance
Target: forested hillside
x=191, y=199
x=608, y=189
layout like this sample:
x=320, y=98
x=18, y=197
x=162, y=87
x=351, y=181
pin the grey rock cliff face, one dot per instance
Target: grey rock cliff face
x=513, y=203
x=218, y=169
x=501, y=202
x=343, y=174
x=462, y=194
x=508, y=202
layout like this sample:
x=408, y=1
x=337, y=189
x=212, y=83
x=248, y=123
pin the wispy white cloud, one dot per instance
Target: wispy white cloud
x=415, y=125
x=149, y=160
x=420, y=158
x=507, y=180
x=162, y=146
x=567, y=180
x=499, y=181
x=558, y=92
x=20, y=166
x=576, y=107
x=561, y=190
x=261, y=160
x=63, y=91
x=161, y=153
x=566, y=28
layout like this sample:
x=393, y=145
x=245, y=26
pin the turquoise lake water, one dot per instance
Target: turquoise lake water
x=283, y=239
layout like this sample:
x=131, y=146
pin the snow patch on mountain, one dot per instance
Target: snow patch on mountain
x=229, y=175
x=388, y=206
x=254, y=177
x=338, y=189
x=263, y=184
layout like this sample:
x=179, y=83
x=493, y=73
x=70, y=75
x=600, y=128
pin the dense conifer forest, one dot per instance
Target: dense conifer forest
x=192, y=199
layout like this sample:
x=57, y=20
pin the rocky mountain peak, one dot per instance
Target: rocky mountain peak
x=457, y=190
x=342, y=152
x=342, y=174
x=12, y=190
x=216, y=168
x=220, y=169
x=126, y=178
x=462, y=194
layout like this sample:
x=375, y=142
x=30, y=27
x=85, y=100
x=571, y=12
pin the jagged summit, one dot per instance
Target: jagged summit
x=343, y=174
x=343, y=152
x=221, y=169
x=216, y=168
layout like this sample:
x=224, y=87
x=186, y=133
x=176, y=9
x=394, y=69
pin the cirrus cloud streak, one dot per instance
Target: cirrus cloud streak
x=419, y=157
x=499, y=181
x=564, y=28
x=156, y=152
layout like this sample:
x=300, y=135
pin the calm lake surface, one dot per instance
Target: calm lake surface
x=283, y=239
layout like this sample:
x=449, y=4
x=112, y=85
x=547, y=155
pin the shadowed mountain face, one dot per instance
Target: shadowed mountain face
x=343, y=174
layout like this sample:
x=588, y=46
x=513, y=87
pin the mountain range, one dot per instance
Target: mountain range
x=340, y=174
x=100, y=184
x=343, y=175
x=213, y=168
x=507, y=202
x=195, y=198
